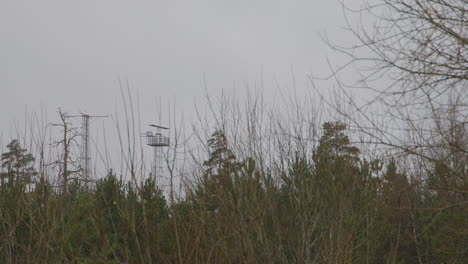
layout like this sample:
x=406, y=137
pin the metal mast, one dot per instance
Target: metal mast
x=85, y=149
x=157, y=141
x=86, y=155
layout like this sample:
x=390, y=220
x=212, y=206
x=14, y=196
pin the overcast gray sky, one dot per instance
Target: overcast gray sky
x=72, y=53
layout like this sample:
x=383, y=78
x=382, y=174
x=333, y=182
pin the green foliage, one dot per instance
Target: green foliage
x=17, y=164
x=331, y=207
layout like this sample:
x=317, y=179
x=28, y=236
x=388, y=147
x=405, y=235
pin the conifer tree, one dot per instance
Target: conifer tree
x=18, y=165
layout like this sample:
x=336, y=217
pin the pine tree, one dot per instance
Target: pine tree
x=221, y=157
x=18, y=165
x=220, y=170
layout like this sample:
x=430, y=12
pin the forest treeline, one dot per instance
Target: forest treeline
x=331, y=207
x=382, y=178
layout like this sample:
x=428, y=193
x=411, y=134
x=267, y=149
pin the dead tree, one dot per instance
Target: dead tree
x=68, y=138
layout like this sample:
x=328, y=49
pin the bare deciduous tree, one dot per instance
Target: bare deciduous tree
x=69, y=136
x=420, y=45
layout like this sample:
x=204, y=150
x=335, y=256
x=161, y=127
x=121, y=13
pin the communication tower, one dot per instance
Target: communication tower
x=85, y=151
x=157, y=140
x=84, y=148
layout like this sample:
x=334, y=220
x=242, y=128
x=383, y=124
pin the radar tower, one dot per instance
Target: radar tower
x=157, y=140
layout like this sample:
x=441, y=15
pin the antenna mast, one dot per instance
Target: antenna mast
x=157, y=141
x=85, y=149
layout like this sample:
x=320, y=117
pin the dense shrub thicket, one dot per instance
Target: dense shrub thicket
x=331, y=207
